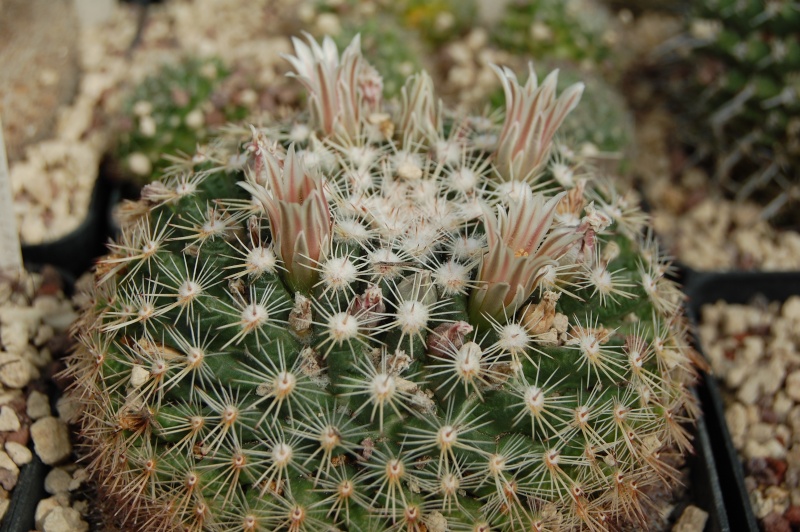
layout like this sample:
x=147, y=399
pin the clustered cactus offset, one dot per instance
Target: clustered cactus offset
x=171, y=112
x=359, y=321
x=744, y=56
x=583, y=32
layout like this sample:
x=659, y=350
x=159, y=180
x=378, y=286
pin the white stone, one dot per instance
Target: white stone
x=61, y=321
x=760, y=432
x=4, y=507
x=20, y=454
x=38, y=405
x=16, y=373
x=78, y=478
x=9, y=422
x=736, y=417
x=64, y=520
x=9, y=472
x=792, y=386
x=693, y=519
x=43, y=335
x=782, y=405
x=57, y=481
x=8, y=396
x=51, y=440
x=43, y=509
x=69, y=408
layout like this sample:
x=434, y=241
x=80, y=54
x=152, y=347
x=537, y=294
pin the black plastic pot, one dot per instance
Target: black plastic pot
x=738, y=288
x=76, y=251
x=25, y=497
x=705, y=490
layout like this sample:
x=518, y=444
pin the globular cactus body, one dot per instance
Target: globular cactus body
x=367, y=322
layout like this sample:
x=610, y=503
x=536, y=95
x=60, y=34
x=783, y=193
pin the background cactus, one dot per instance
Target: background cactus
x=358, y=321
x=741, y=97
x=601, y=128
x=396, y=51
x=583, y=32
x=171, y=112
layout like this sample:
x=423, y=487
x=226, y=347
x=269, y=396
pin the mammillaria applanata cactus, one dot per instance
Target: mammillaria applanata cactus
x=357, y=321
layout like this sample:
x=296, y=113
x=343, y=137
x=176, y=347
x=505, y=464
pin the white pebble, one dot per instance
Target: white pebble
x=9, y=422
x=64, y=520
x=57, y=481
x=51, y=440
x=793, y=385
x=16, y=373
x=78, y=478
x=736, y=416
x=38, y=405
x=43, y=509
x=20, y=454
x=9, y=472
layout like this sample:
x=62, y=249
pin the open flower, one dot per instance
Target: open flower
x=342, y=92
x=521, y=240
x=533, y=114
x=298, y=212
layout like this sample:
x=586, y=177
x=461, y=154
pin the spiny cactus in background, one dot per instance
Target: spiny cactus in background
x=358, y=321
x=394, y=50
x=583, y=32
x=742, y=95
x=640, y=6
x=439, y=21
x=171, y=112
x=601, y=127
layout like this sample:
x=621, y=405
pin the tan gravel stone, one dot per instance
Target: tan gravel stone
x=57, y=481
x=793, y=385
x=693, y=519
x=20, y=454
x=61, y=519
x=38, y=405
x=16, y=373
x=9, y=472
x=736, y=417
x=44, y=507
x=51, y=440
x=9, y=422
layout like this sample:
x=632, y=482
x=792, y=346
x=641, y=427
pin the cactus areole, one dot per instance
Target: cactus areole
x=359, y=320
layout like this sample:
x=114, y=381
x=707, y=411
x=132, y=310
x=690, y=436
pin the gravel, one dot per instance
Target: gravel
x=755, y=353
x=34, y=319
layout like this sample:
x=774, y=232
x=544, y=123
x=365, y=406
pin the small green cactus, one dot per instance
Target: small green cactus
x=601, y=127
x=359, y=321
x=394, y=50
x=582, y=32
x=439, y=21
x=742, y=97
x=169, y=113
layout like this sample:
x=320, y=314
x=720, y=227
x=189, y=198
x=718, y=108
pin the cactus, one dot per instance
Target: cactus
x=394, y=50
x=170, y=113
x=601, y=127
x=741, y=100
x=359, y=321
x=583, y=32
x=439, y=21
